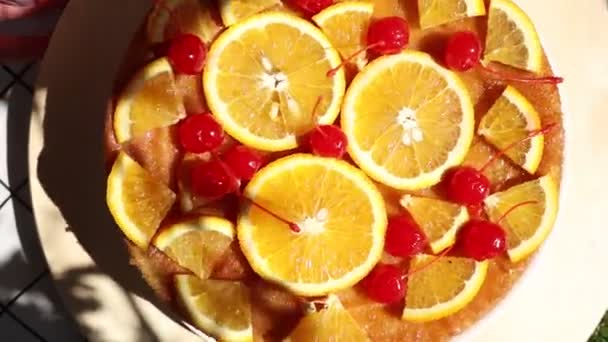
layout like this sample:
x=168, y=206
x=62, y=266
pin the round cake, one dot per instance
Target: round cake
x=318, y=170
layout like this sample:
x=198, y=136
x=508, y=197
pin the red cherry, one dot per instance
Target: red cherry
x=463, y=51
x=187, y=54
x=243, y=161
x=482, y=240
x=388, y=35
x=467, y=186
x=311, y=7
x=200, y=133
x=212, y=180
x=404, y=237
x=328, y=141
x=385, y=284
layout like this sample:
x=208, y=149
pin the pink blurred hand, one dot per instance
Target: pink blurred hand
x=20, y=47
x=14, y=9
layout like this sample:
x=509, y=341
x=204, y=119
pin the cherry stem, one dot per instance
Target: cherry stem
x=332, y=72
x=293, y=226
x=513, y=208
x=522, y=79
x=531, y=134
x=425, y=266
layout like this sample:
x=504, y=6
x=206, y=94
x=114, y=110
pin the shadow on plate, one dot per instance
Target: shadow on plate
x=71, y=165
x=25, y=288
x=42, y=310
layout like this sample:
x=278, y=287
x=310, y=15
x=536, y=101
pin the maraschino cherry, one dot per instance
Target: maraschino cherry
x=328, y=141
x=212, y=179
x=463, y=52
x=482, y=239
x=467, y=185
x=404, y=238
x=388, y=35
x=311, y=7
x=200, y=133
x=223, y=176
x=385, y=284
x=243, y=161
x=187, y=54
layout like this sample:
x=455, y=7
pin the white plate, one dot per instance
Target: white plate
x=561, y=298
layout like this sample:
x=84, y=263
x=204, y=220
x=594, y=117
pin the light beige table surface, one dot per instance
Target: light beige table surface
x=561, y=298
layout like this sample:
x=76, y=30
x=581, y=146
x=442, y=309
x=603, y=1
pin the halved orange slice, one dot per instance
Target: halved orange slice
x=197, y=244
x=346, y=24
x=438, y=12
x=220, y=308
x=508, y=125
x=138, y=201
x=233, y=11
x=512, y=38
x=332, y=323
x=150, y=101
x=443, y=287
x=439, y=220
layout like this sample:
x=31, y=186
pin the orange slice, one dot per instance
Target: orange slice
x=197, y=244
x=407, y=120
x=438, y=12
x=150, y=101
x=233, y=11
x=220, y=308
x=439, y=220
x=332, y=323
x=507, y=126
x=138, y=201
x=341, y=214
x=443, y=287
x=512, y=38
x=266, y=80
x=346, y=24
